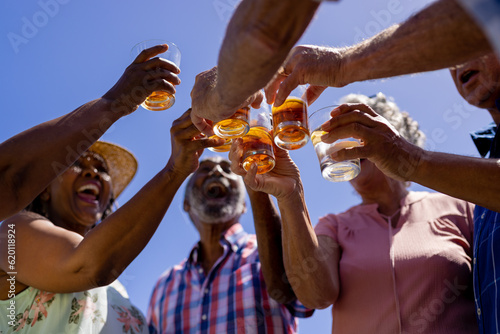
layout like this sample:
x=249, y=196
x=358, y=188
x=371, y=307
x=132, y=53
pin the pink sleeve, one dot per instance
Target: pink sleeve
x=327, y=225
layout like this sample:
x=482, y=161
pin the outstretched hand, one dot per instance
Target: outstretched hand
x=306, y=64
x=188, y=144
x=207, y=104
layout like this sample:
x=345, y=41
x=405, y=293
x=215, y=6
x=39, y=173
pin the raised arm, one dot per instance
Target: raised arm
x=311, y=263
x=439, y=36
x=475, y=180
x=268, y=230
x=74, y=263
x=258, y=38
x=30, y=160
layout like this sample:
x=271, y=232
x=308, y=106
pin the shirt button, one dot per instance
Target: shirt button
x=482, y=216
x=474, y=261
x=200, y=271
x=206, y=290
x=478, y=311
x=204, y=317
x=235, y=248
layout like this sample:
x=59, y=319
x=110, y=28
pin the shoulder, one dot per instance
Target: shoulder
x=441, y=202
x=22, y=222
x=170, y=274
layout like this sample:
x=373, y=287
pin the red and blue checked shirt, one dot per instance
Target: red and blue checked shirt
x=232, y=298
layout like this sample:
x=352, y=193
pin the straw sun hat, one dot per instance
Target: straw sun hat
x=121, y=163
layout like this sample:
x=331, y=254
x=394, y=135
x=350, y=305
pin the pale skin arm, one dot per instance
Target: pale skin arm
x=258, y=38
x=30, y=160
x=472, y=179
x=439, y=36
x=71, y=262
x=316, y=288
x=268, y=230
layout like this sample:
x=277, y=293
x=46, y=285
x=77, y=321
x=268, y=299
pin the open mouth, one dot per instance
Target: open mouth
x=215, y=189
x=89, y=192
x=465, y=77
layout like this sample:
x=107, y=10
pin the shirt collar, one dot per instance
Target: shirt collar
x=232, y=237
x=483, y=138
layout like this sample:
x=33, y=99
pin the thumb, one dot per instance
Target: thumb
x=313, y=92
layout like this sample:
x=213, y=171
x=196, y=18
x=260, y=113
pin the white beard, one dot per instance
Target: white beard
x=222, y=212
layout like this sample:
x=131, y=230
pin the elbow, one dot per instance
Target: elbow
x=317, y=297
x=318, y=302
x=102, y=276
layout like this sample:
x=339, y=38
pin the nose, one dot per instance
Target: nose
x=90, y=172
x=217, y=170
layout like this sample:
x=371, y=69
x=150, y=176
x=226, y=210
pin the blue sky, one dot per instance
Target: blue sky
x=59, y=54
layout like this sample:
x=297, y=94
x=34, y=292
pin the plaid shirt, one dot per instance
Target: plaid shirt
x=232, y=298
x=486, y=261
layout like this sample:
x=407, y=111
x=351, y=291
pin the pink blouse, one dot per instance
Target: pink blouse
x=414, y=278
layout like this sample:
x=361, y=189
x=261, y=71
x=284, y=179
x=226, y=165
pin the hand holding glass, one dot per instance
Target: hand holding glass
x=332, y=170
x=159, y=100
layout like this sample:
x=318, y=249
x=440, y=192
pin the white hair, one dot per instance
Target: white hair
x=401, y=120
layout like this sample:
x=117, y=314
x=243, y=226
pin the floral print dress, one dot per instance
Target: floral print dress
x=102, y=310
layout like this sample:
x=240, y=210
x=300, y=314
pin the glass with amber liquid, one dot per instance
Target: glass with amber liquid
x=159, y=100
x=290, y=126
x=257, y=144
x=234, y=126
x=222, y=148
x=332, y=170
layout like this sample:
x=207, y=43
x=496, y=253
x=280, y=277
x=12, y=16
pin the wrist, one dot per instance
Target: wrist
x=175, y=173
x=417, y=162
x=291, y=196
x=118, y=107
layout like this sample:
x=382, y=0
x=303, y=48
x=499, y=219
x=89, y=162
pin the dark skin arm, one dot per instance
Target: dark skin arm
x=302, y=249
x=268, y=230
x=73, y=262
x=49, y=148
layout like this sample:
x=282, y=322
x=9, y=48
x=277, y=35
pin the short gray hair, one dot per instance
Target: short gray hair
x=401, y=120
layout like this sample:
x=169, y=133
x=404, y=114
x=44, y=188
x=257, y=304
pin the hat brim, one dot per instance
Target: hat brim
x=121, y=163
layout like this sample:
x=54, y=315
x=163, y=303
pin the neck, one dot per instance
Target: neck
x=70, y=225
x=388, y=197
x=495, y=114
x=210, y=248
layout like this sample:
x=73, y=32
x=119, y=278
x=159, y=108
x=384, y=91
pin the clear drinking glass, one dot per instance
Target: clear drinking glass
x=335, y=171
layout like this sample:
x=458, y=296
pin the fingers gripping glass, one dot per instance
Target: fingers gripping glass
x=332, y=170
x=159, y=100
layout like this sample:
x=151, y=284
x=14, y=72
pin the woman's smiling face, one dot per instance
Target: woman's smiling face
x=79, y=197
